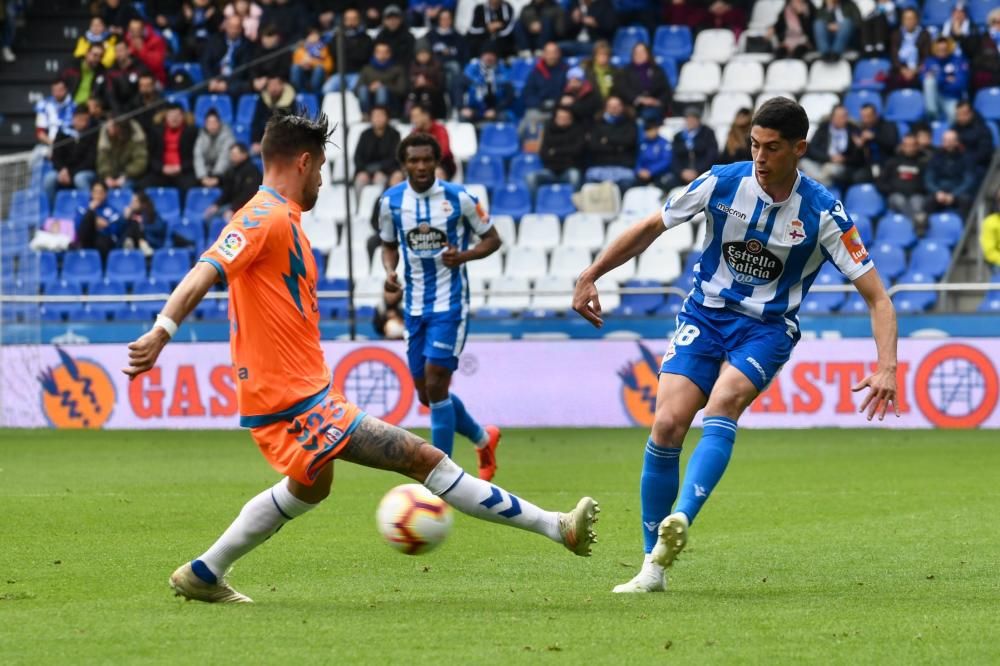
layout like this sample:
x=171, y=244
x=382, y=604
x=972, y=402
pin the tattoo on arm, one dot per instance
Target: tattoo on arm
x=377, y=444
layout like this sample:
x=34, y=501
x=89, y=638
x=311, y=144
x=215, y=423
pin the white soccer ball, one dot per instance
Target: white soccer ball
x=412, y=519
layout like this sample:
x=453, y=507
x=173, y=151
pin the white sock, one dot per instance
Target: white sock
x=484, y=500
x=260, y=518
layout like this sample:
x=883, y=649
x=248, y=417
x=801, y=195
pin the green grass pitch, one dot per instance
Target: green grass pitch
x=823, y=546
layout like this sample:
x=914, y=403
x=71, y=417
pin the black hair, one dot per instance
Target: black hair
x=212, y=112
x=415, y=141
x=242, y=147
x=289, y=134
x=869, y=105
x=81, y=110
x=785, y=116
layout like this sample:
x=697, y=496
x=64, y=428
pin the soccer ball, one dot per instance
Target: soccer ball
x=412, y=519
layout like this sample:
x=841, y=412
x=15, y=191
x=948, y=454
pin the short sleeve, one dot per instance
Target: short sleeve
x=475, y=213
x=386, y=227
x=241, y=242
x=842, y=242
x=690, y=202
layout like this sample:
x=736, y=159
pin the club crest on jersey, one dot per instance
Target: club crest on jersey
x=425, y=241
x=752, y=263
x=795, y=232
x=855, y=246
x=231, y=245
x=446, y=207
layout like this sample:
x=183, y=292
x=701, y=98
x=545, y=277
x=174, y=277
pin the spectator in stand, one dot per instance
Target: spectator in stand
x=95, y=107
x=975, y=137
x=271, y=57
x=382, y=82
x=171, y=151
x=876, y=27
x=489, y=93
x=373, y=10
x=638, y=12
x=540, y=22
x=98, y=224
x=199, y=20
x=925, y=139
x=249, y=14
x=644, y=86
x=989, y=236
x=793, y=29
x=985, y=53
x=737, y=148
x=121, y=82
x=277, y=95
x=311, y=63
x=423, y=122
x=424, y=13
x=211, y=150
x=8, y=30
x=601, y=73
x=561, y=152
x=694, y=150
x=901, y=180
x=612, y=146
x=144, y=228
x=97, y=34
x=117, y=14
x=543, y=88
x=145, y=44
x=589, y=22
x=877, y=140
x=223, y=59
x=835, y=24
x=909, y=47
x=358, y=47
x=375, y=154
x=580, y=97
x=834, y=155
x=85, y=80
x=684, y=12
x=493, y=21
x=74, y=156
x=451, y=50
x=653, y=164
x=54, y=113
x=239, y=183
x=149, y=103
x=426, y=82
x=290, y=17
x=396, y=34
x=725, y=15
x=165, y=15
x=946, y=80
x=950, y=177
x=960, y=30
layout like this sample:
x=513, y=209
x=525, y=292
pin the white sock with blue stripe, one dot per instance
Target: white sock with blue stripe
x=489, y=502
x=260, y=518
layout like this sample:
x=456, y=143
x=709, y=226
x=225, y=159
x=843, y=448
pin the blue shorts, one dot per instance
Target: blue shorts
x=435, y=338
x=706, y=337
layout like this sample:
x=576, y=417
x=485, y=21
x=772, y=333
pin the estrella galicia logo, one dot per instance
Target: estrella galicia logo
x=425, y=241
x=752, y=263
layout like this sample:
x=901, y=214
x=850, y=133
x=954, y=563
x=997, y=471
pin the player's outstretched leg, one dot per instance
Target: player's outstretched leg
x=486, y=439
x=380, y=445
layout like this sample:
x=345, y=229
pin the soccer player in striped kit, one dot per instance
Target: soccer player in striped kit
x=430, y=224
x=770, y=229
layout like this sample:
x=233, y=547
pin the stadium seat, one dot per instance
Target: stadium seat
x=897, y=229
x=191, y=230
x=724, y=107
x=946, y=227
x=990, y=303
x=322, y=233
x=904, y=106
x=67, y=202
x=626, y=38
x=24, y=312
x=771, y=94
x=559, y=296
x=13, y=238
x=526, y=262
x=520, y=68
x=331, y=106
x=870, y=74
x=511, y=199
x=669, y=67
x=336, y=261
x=673, y=41
x=539, y=230
x=608, y=290
x=192, y=69
x=820, y=302
x=462, y=138
x=642, y=303
x=765, y=14
x=677, y=239
x=832, y=77
x=987, y=103
x=213, y=309
x=106, y=287
x=787, y=74
x=522, y=165
x=584, y=230
x=67, y=310
x=35, y=269
x=914, y=301
x=149, y=309
x=246, y=107
x=499, y=140
x=889, y=259
x=623, y=272
x=865, y=228
x=659, y=263
x=167, y=201
x=509, y=292
x=221, y=103
x=507, y=229
x=332, y=306
x=309, y=103
x=930, y=257
x=197, y=200
x=28, y=207
x=487, y=268
x=485, y=169
x=368, y=291
x=854, y=100
x=180, y=98
x=120, y=197
x=714, y=45
x=125, y=267
x=818, y=105
x=638, y=202
x=864, y=199
x=170, y=265
x=936, y=12
x=979, y=10
x=697, y=81
x=743, y=76
x=81, y=267
x=215, y=230
x=556, y=200
x=569, y=261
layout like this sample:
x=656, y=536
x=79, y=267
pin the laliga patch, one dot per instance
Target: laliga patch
x=481, y=212
x=855, y=246
x=231, y=246
x=795, y=232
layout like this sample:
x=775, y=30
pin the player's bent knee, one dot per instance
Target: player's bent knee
x=669, y=431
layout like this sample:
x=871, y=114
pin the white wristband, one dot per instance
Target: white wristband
x=167, y=324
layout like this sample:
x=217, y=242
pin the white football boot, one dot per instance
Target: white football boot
x=187, y=584
x=577, y=526
x=651, y=578
x=671, y=539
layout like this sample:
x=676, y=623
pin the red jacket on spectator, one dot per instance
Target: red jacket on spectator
x=151, y=51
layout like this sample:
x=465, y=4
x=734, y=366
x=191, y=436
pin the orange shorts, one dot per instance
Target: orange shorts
x=303, y=445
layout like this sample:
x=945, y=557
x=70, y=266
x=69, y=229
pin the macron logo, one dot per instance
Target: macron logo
x=699, y=491
x=731, y=211
x=651, y=525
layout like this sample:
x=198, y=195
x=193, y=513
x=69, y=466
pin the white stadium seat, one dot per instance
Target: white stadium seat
x=765, y=14
x=335, y=155
x=742, y=76
x=786, y=74
x=487, y=268
x=659, y=263
x=332, y=108
x=609, y=300
x=829, y=76
x=697, y=81
x=818, y=105
x=584, y=230
x=622, y=273
x=764, y=96
x=461, y=138
x=507, y=229
x=367, y=200
x=378, y=269
x=477, y=293
x=639, y=202
x=617, y=227
x=336, y=263
x=715, y=45
x=519, y=297
x=330, y=204
x=725, y=105
x=678, y=239
x=368, y=290
x=569, y=261
x=556, y=301
x=526, y=262
x=322, y=233
x=539, y=230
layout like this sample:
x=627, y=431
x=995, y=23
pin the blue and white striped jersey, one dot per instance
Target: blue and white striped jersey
x=425, y=224
x=761, y=257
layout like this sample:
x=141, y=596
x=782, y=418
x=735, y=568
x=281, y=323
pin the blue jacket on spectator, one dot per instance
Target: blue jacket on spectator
x=544, y=86
x=654, y=156
x=109, y=213
x=478, y=88
x=952, y=74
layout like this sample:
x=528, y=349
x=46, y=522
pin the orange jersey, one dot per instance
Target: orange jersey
x=266, y=260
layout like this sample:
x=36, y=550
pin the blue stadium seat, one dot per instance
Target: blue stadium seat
x=148, y=309
x=555, y=199
x=987, y=103
x=671, y=307
x=855, y=99
x=642, y=303
x=864, y=199
x=870, y=74
x=245, y=108
x=214, y=231
x=38, y=267
x=81, y=267
x=825, y=302
x=991, y=302
x=308, y=102
x=897, y=229
x=626, y=38
x=673, y=41
x=66, y=203
x=126, y=267
x=669, y=67
x=522, y=165
x=994, y=127
x=192, y=69
x=221, y=103
x=191, y=230
x=938, y=128
x=485, y=169
x=520, y=68
x=119, y=198
x=197, y=200
x=14, y=238
x=170, y=265
x=936, y=12
x=889, y=260
x=28, y=207
x=178, y=98
x=167, y=201
x=511, y=199
x=320, y=260
x=980, y=9
x=212, y=309
x=333, y=306
x=914, y=301
x=930, y=257
x=61, y=311
x=865, y=229
x=945, y=227
x=15, y=312
x=106, y=287
x=904, y=105
x=499, y=140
